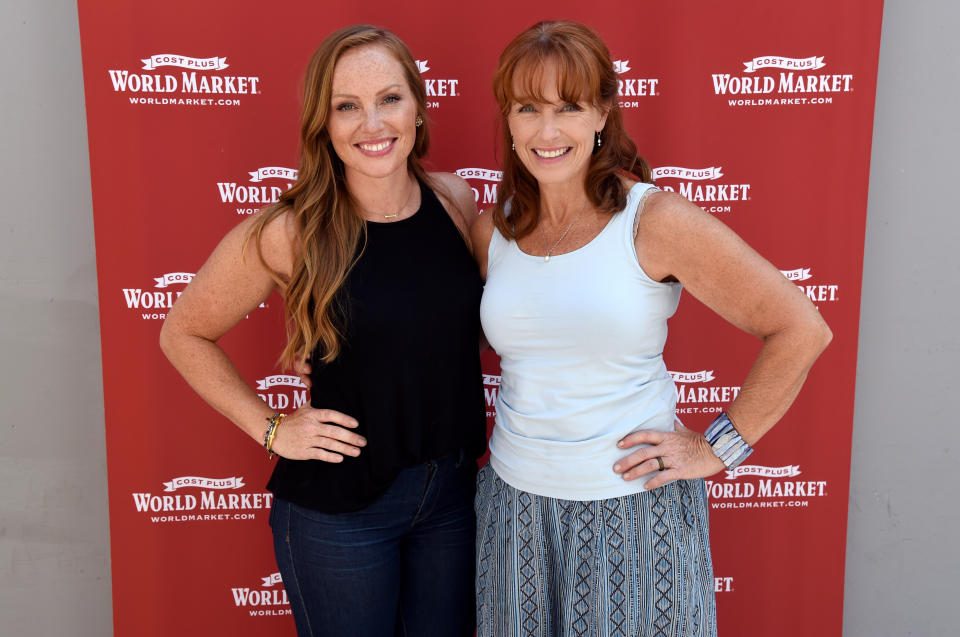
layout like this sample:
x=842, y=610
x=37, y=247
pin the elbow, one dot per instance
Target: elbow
x=167, y=339
x=820, y=334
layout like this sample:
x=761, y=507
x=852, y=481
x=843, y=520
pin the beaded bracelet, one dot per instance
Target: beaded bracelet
x=271, y=432
x=726, y=442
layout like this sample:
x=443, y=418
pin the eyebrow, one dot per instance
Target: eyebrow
x=380, y=92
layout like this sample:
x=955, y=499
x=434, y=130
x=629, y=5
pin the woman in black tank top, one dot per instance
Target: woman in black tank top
x=373, y=516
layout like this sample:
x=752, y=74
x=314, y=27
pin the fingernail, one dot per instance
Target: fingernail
x=616, y=468
x=620, y=444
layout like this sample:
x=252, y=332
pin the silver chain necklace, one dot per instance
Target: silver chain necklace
x=549, y=250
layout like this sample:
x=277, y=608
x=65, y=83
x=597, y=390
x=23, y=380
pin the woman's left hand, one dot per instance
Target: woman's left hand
x=686, y=455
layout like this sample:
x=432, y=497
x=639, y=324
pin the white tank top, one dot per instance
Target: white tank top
x=580, y=340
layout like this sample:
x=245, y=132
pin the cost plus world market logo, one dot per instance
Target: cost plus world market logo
x=274, y=391
x=155, y=303
x=267, y=600
x=704, y=186
x=630, y=87
x=247, y=198
x=818, y=292
x=763, y=487
x=484, y=183
x=199, y=84
x=722, y=584
x=792, y=82
x=698, y=393
x=491, y=388
x=435, y=87
x=201, y=499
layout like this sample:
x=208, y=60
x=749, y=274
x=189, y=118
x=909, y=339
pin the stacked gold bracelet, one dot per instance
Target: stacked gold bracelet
x=271, y=432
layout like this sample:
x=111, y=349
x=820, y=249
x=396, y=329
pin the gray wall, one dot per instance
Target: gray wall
x=54, y=543
x=54, y=559
x=902, y=543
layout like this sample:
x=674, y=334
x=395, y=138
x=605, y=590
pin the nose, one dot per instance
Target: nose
x=371, y=120
x=548, y=129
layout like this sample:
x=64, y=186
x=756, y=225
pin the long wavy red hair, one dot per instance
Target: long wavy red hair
x=328, y=226
x=585, y=74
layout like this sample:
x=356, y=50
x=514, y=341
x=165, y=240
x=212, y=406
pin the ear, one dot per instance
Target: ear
x=604, y=112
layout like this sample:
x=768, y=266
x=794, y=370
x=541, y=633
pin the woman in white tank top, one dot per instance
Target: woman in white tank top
x=591, y=513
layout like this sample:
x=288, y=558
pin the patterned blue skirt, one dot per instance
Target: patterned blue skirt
x=637, y=565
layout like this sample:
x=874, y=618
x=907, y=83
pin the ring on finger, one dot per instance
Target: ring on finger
x=660, y=463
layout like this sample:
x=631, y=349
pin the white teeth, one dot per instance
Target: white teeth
x=549, y=154
x=375, y=147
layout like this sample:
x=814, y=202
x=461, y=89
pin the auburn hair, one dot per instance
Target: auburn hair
x=328, y=227
x=585, y=74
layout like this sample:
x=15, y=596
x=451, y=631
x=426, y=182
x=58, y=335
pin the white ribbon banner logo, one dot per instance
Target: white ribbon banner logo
x=703, y=376
x=800, y=274
x=621, y=66
x=280, y=379
x=490, y=379
x=173, y=277
x=272, y=579
x=273, y=172
x=693, y=174
x=184, y=62
x=480, y=173
x=422, y=66
x=203, y=483
x=777, y=62
x=767, y=472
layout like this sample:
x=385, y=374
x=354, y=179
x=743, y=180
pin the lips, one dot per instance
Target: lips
x=551, y=153
x=376, y=147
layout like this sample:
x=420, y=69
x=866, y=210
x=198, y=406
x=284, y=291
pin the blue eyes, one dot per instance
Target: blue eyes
x=350, y=106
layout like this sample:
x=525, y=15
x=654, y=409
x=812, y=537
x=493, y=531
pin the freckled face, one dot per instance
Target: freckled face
x=372, y=112
x=555, y=139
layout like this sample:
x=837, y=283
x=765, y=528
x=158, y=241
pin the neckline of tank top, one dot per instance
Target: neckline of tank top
x=416, y=213
x=630, y=196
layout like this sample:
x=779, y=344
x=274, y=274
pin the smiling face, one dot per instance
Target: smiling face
x=554, y=138
x=372, y=112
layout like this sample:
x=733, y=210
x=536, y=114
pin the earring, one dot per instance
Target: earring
x=512, y=145
x=599, y=141
x=419, y=121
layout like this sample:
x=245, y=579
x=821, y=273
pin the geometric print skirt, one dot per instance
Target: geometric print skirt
x=638, y=565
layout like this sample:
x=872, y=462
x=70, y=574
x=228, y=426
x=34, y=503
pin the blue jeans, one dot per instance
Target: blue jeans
x=402, y=566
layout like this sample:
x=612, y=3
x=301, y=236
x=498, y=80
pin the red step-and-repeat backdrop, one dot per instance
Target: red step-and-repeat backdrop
x=760, y=112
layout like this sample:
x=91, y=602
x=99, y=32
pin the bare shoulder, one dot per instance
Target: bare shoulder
x=457, y=197
x=482, y=227
x=277, y=239
x=675, y=237
x=481, y=232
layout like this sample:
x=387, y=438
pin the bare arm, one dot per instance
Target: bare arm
x=481, y=233
x=229, y=286
x=457, y=198
x=676, y=239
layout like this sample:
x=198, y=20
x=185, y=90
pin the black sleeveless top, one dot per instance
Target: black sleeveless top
x=409, y=366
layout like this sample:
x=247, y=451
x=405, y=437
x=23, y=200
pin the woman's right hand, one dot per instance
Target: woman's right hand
x=317, y=434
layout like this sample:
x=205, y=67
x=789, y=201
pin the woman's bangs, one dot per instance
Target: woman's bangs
x=527, y=80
